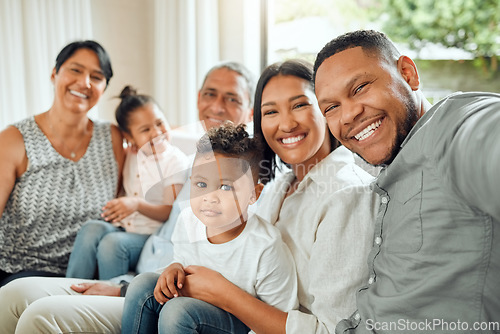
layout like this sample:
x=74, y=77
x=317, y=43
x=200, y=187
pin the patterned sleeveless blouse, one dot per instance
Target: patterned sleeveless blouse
x=53, y=198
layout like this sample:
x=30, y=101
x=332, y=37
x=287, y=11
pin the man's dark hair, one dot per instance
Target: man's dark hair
x=233, y=141
x=374, y=43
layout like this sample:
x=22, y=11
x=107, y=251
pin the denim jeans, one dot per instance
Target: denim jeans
x=109, y=249
x=143, y=314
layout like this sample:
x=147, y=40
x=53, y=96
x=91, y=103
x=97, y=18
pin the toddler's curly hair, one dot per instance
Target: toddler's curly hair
x=235, y=142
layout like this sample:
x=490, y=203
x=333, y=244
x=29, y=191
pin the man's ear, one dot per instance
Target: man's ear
x=250, y=116
x=257, y=191
x=198, y=100
x=409, y=72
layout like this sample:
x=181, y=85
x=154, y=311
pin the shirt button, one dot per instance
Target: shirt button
x=138, y=175
x=378, y=240
x=384, y=200
x=371, y=280
x=135, y=194
x=357, y=316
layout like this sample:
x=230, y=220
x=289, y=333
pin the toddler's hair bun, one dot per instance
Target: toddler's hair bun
x=128, y=91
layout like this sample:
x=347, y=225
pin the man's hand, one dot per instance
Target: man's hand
x=99, y=289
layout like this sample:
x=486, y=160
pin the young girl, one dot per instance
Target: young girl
x=323, y=207
x=150, y=159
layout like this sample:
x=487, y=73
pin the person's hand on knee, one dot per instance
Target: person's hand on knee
x=99, y=289
x=171, y=279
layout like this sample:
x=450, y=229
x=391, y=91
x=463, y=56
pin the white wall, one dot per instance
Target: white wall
x=125, y=29
x=240, y=32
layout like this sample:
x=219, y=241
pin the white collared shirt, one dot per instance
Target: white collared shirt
x=327, y=224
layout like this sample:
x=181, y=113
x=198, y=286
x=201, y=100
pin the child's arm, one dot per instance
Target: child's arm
x=161, y=212
x=168, y=282
x=119, y=208
x=117, y=140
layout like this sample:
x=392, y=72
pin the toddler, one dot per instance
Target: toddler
x=218, y=233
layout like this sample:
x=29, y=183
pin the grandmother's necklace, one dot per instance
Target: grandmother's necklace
x=72, y=152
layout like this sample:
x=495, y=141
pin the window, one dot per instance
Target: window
x=300, y=29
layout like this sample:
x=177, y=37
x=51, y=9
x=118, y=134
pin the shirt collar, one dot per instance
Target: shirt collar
x=329, y=166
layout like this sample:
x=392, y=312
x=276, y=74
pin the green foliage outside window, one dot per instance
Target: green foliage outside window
x=471, y=25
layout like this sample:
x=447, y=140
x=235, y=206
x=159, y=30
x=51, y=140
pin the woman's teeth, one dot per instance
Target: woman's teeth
x=74, y=92
x=291, y=140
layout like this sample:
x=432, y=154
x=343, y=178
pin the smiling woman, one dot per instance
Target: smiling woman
x=323, y=207
x=51, y=164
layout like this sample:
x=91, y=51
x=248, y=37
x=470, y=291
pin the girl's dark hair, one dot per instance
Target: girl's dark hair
x=130, y=101
x=233, y=141
x=294, y=67
x=102, y=55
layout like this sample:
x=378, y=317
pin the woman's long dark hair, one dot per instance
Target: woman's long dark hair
x=297, y=68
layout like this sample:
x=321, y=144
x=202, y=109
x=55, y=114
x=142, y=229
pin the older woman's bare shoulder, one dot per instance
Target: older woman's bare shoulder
x=12, y=144
x=13, y=161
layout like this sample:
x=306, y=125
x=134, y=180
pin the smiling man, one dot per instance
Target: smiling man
x=436, y=256
x=226, y=94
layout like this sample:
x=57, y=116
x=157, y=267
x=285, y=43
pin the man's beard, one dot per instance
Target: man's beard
x=403, y=128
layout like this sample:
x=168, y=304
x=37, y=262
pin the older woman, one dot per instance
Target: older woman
x=58, y=168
